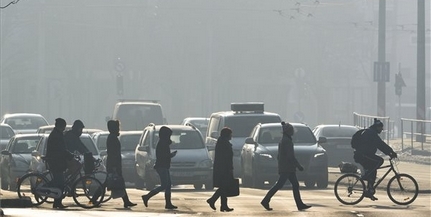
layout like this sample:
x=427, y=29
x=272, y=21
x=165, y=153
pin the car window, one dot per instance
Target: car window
x=303, y=135
x=88, y=142
x=137, y=117
x=270, y=136
x=186, y=140
x=26, y=122
x=25, y=145
x=213, y=125
x=6, y=132
x=129, y=142
x=101, y=141
x=338, y=131
x=242, y=125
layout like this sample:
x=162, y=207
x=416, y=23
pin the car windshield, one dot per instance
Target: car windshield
x=22, y=123
x=6, y=132
x=242, y=125
x=186, y=139
x=129, y=142
x=303, y=136
x=101, y=141
x=269, y=136
x=202, y=125
x=88, y=142
x=25, y=145
x=137, y=117
x=338, y=131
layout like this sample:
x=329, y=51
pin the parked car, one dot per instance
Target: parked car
x=191, y=165
x=199, y=122
x=337, y=143
x=38, y=165
x=6, y=132
x=15, y=159
x=129, y=140
x=24, y=122
x=47, y=129
x=260, y=151
x=241, y=119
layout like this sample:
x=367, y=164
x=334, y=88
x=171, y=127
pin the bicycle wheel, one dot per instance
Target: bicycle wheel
x=27, y=185
x=402, y=189
x=349, y=189
x=101, y=176
x=88, y=192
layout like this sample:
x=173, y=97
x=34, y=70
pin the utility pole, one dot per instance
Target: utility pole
x=420, y=95
x=381, y=85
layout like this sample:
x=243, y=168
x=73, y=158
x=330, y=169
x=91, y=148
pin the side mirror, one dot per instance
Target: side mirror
x=249, y=140
x=5, y=152
x=35, y=154
x=322, y=140
x=214, y=134
x=103, y=153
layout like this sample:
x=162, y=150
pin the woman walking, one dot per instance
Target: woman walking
x=223, y=169
x=162, y=165
x=113, y=161
x=287, y=165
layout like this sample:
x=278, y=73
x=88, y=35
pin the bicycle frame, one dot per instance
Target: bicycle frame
x=391, y=168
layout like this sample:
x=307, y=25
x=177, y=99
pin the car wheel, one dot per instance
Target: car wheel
x=139, y=182
x=198, y=186
x=257, y=180
x=209, y=185
x=309, y=183
x=322, y=182
x=4, y=183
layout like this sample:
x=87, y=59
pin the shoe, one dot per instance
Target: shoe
x=129, y=204
x=170, y=206
x=211, y=203
x=226, y=209
x=145, y=198
x=59, y=206
x=303, y=207
x=266, y=205
x=369, y=195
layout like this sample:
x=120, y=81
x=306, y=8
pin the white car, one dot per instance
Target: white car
x=6, y=132
x=24, y=122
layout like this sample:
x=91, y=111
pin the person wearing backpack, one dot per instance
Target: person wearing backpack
x=366, y=146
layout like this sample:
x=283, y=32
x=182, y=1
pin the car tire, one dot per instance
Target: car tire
x=149, y=184
x=139, y=182
x=309, y=183
x=257, y=180
x=4, y=183
x=198, y=186
x=322, y=182
x=209, y=185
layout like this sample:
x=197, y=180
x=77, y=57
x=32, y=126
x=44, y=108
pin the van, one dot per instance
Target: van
x=137, y=114
x=242, y=118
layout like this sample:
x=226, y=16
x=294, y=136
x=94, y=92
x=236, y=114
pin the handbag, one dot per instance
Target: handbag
x=232, y=188
x=115, y=182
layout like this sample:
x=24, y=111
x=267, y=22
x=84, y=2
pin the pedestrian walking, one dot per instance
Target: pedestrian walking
x=57, y=157
x=287, y=165
x=162, y=165
x=222, y=169
x=113, y=161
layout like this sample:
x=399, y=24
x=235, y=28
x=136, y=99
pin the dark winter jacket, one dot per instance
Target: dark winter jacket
x=223, y=163
x=371, y=141
x=56, y=152
x=163, y=154
x=74, y=143
x=287, y=162
x=113, y=150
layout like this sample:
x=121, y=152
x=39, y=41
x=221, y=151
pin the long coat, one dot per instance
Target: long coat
x=56, y=152
x=113, y=149
x=223, y=163
x=163, y=154
x=287, y=162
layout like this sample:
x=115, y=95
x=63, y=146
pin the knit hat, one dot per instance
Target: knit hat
x=377, y=123
x=78, y=124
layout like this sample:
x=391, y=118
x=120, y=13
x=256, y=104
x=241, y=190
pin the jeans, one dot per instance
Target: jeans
x=165, y=181
x=58, y=182
x=280, y=183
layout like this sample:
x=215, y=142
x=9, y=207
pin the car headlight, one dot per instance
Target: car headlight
x=205, y=163
x=319, y=155
x=267, y=156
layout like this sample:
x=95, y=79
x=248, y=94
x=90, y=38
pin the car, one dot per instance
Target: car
x=337, y=143
x=241, y=119
x=38, y=165
x=129, y=140
x=260, y=151
x=15, y=159
x=191, y=165
x=199, y=122
x=6, y=132
x=137, y=114
x=24, y=122
x=48, y=129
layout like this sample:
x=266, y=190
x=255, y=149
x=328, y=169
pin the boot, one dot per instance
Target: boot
x=224, y=207
x=211, y=203
x=303, y=207
x=58, y=205
x=126, y=202
x=265, y=204
x=168, y=203
x=146, y=197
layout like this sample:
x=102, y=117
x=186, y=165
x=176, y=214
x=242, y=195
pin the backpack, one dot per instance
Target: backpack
x=357, y=139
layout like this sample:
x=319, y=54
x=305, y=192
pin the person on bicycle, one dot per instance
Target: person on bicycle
x=57, y=156
x=75, y=145
x=365, y=154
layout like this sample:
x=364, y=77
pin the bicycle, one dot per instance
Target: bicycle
x=402, y=188
x=86, y=190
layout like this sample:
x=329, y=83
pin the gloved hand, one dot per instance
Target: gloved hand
x=300, y=168
x=393, y=155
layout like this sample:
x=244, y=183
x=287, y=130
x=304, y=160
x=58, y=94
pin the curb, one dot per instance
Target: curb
x=15, y=203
